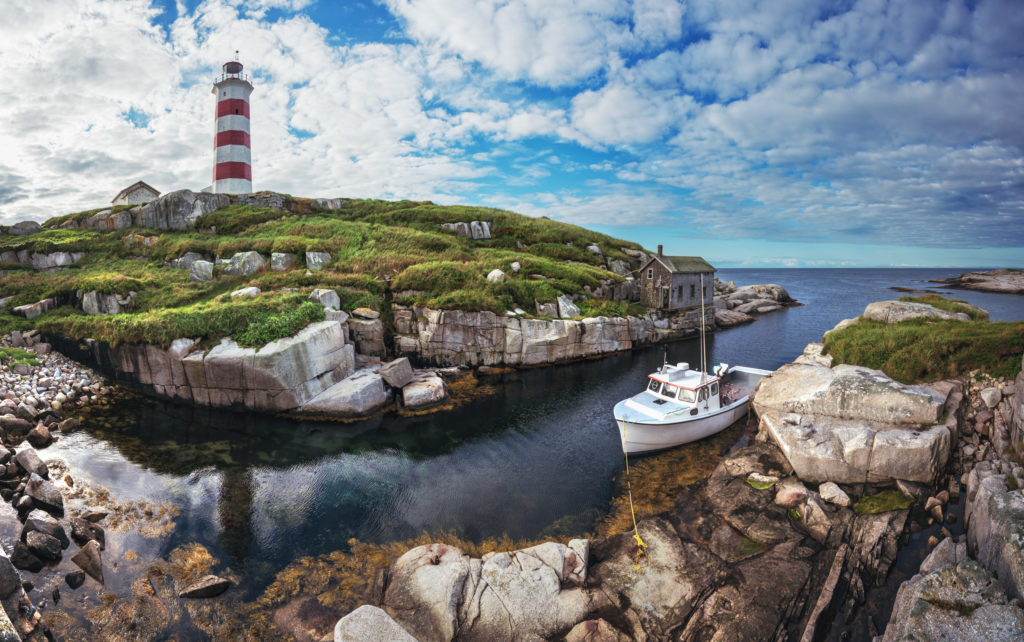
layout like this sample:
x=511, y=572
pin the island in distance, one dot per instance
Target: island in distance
x=1008, y=281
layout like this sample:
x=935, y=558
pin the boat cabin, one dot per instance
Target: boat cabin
x=684, y=386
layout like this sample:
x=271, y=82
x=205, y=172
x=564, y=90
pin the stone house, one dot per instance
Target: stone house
x=135, y=194
x=674, y=282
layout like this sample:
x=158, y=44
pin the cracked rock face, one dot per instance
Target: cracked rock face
x=852, y=425
x=957, y=602
x=437, y=592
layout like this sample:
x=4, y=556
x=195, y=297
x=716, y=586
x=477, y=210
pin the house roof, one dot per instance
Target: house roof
x=131, y=188
x=683, y=264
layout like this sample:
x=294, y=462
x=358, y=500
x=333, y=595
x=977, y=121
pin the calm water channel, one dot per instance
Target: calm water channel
x=260, y=492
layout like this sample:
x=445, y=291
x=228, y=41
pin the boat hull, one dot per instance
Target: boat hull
x=644, y=437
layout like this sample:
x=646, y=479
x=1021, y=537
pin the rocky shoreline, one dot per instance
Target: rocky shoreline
x=36, y=392
x=783, y=539
x=337, y=368
x=999, y=281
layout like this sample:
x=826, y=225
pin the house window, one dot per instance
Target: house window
x=693, y=290
x=705, y=291
x=650, y=273
x=679, y=293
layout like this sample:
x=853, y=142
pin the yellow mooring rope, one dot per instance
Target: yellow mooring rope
x=629, y=490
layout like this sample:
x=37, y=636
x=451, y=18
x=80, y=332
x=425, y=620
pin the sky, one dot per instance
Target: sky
x=784, y=133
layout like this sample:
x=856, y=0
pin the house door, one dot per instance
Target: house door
x=664, y=297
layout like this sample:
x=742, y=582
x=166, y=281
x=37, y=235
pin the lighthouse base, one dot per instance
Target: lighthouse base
x=232, y=186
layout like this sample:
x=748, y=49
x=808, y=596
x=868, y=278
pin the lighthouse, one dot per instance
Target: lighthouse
x=232, y=153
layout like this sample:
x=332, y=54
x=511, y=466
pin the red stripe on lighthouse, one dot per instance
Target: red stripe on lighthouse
x=231, y=137
x=233, y=107
x=232, y=170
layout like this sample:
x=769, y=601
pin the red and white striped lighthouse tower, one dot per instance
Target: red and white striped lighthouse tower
x=232, y=153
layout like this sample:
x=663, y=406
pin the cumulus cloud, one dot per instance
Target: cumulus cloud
x=794, y=119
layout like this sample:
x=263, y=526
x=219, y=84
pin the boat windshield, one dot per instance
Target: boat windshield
x=686, y=395
x=654, y=386
x=669, y=391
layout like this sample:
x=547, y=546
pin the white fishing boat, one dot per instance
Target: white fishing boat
x=681, y=405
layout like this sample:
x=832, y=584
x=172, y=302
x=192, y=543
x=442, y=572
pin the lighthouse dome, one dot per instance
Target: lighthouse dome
x=233, y=67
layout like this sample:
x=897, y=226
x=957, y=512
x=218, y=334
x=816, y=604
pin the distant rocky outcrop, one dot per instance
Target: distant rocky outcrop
x=738, y=305
x=42, y=262
x=1001, y=281
x=475, y=230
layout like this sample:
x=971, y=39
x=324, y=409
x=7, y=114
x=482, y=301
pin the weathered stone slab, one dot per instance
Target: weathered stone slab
x=357, y=395
x=896, y=311
x=845, y=391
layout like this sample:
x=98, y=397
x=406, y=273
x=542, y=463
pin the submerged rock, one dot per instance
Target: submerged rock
x=207, y=586
x=89, y=560
x=75, y=579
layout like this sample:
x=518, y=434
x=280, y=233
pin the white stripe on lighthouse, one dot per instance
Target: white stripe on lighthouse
x=233, y=154
x=228, y=123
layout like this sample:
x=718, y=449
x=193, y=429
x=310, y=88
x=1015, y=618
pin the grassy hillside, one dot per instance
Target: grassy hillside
x=921, y=350
x=373, y=244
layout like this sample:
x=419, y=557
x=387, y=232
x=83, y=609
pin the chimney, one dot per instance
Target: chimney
x=659, y=251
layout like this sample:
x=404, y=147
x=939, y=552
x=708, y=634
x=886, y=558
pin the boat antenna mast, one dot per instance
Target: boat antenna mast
x=703, y=346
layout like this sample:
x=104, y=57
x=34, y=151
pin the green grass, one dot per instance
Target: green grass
x=16, y=356
x=236, y=218
x=882, y=502
x=926, y=350
x=949, y=305
x=251, y=322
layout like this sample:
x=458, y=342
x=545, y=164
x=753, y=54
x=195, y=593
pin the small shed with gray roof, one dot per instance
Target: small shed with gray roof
x=675, y=282
x=136, y=194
